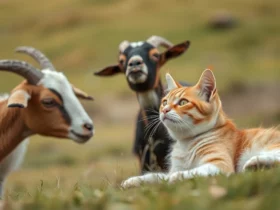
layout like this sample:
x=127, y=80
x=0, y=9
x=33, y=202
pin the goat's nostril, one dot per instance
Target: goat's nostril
x=135, y=63
x=88, y=126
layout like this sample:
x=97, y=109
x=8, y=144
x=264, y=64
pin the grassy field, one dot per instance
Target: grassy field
x=250, y=191
x=81, y=36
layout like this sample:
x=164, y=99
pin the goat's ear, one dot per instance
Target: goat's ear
x=19, y=98
x=109, y=71
x=207, y=85
x=174, y=52
x=81, y=94
x=171, y=83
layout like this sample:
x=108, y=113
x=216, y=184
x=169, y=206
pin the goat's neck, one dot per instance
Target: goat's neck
x=12, y=128
x=150, y=99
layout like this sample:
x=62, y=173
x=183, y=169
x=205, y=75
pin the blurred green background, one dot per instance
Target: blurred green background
x=82, y=36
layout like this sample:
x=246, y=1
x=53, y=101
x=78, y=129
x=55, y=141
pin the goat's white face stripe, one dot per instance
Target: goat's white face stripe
x=58, y=82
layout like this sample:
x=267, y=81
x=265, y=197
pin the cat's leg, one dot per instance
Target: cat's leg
x=265, y=159
x=149, y=178
x=207, y=169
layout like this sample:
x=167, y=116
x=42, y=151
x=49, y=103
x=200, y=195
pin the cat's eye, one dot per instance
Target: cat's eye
x=164, y=102
x=48, y=102
x=183, y=102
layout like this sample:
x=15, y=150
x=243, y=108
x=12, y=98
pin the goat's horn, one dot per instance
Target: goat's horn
x=123, y=45
x=157, y=41
x=38, y=56
x=23, y=69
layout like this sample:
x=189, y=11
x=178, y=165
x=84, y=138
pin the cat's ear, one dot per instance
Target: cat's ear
x=207, y=85
x=171, y=84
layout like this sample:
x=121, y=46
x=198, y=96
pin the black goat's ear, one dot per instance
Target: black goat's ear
x=174, y=52
x=109, y=71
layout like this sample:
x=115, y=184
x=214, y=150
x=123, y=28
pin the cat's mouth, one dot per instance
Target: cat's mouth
x=165, y=118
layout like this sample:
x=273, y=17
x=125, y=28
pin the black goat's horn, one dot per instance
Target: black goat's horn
x=157, y=41
x=123, y=45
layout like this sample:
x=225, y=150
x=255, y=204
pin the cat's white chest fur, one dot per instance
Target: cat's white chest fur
x=182, y=157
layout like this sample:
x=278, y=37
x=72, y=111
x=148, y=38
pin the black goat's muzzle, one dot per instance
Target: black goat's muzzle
x=137, y=75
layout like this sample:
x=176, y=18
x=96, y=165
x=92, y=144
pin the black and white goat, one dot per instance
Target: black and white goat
x=140, y=62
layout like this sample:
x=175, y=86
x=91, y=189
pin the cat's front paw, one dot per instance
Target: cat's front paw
x=131, y=182
x=179, y=176
x=176, y=176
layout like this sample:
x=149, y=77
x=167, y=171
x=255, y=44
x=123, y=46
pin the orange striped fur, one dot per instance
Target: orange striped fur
x=201, y=119
x=206, y=141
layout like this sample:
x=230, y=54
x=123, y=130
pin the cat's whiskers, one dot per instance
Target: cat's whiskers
x=152, y=110
x=155, y=128
x=172, y=117
x=150, y=126
x=185, y=124
x=181, y=123
x=150, y=129
x=189, y=127
x=154, y=123
x=148, y=118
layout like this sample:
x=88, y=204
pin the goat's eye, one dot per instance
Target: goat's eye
x=122, y=59
x=183, y=102
x=48, y=102
x=121, y=62
x=164, y=102
x=155, y=56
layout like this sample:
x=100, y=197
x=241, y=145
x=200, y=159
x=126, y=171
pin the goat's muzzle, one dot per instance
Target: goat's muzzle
x=137, y=71
x=81, y=138
x=137, y=75
x=83, y=134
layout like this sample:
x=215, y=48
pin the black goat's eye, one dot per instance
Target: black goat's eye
x=155, y=56
x=48, y=102
x=121, y=62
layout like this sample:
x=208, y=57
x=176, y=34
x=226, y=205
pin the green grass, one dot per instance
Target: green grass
x=81, y=36
x=251, y=190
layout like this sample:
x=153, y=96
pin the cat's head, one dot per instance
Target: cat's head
x=190, y=111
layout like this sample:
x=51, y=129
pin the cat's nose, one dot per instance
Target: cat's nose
x=165, y=110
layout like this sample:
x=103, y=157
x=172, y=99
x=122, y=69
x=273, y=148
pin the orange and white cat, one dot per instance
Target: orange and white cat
x=206, y=141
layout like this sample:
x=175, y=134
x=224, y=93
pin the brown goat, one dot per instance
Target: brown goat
x=45, y=103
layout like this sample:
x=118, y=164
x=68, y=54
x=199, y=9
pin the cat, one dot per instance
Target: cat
x=207, y=142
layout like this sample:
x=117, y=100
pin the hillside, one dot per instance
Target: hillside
x=82, y=36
